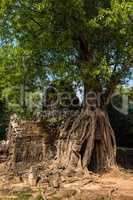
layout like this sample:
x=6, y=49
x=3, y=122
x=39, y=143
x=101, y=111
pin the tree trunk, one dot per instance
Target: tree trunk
x=87, y=141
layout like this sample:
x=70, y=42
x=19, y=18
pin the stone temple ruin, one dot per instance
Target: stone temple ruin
x=30, y=149
x=27, y=144
x=30, y=143
x=31, y=146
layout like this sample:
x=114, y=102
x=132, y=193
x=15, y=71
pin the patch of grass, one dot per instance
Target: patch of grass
x=39, y=197
x=23, y=194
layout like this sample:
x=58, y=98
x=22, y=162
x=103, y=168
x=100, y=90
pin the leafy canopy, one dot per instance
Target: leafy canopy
x=78, y=40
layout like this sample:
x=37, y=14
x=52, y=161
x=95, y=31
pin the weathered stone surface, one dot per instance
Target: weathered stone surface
x=32, y=177
x=3, y=150
x=28, y=144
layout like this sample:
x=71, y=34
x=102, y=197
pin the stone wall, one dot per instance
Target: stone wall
x=28, y=144
x=3, y=151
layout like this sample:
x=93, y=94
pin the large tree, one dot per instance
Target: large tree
x=86, y=40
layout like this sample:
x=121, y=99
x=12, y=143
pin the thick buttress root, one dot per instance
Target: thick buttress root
x=88, y=141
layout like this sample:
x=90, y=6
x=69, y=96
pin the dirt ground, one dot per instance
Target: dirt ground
x=114, y=185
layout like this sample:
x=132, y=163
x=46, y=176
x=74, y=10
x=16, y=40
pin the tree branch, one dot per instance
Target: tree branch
x=87, y=54
x=36, y=22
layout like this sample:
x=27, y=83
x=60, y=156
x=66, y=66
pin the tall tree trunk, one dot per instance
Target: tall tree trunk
x=88, y=140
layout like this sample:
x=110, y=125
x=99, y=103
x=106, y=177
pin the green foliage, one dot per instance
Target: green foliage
x=76, y=40
x=23, y=194
x=39, y=197
x=121, y=123
x=4, y=119
x=18, y=79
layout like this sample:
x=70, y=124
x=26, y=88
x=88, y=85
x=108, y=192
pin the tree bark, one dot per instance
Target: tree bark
x=87, y=140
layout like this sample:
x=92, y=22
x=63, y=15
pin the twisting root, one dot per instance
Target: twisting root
x=88, y=139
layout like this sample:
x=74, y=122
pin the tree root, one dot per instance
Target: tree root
x=87, y=142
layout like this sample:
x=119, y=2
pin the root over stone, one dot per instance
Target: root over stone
x=87, y=141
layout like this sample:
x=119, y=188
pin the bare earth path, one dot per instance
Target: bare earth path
x=116, y=185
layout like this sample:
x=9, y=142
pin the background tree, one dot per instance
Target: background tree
x=77, y=40
x=122, y=123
